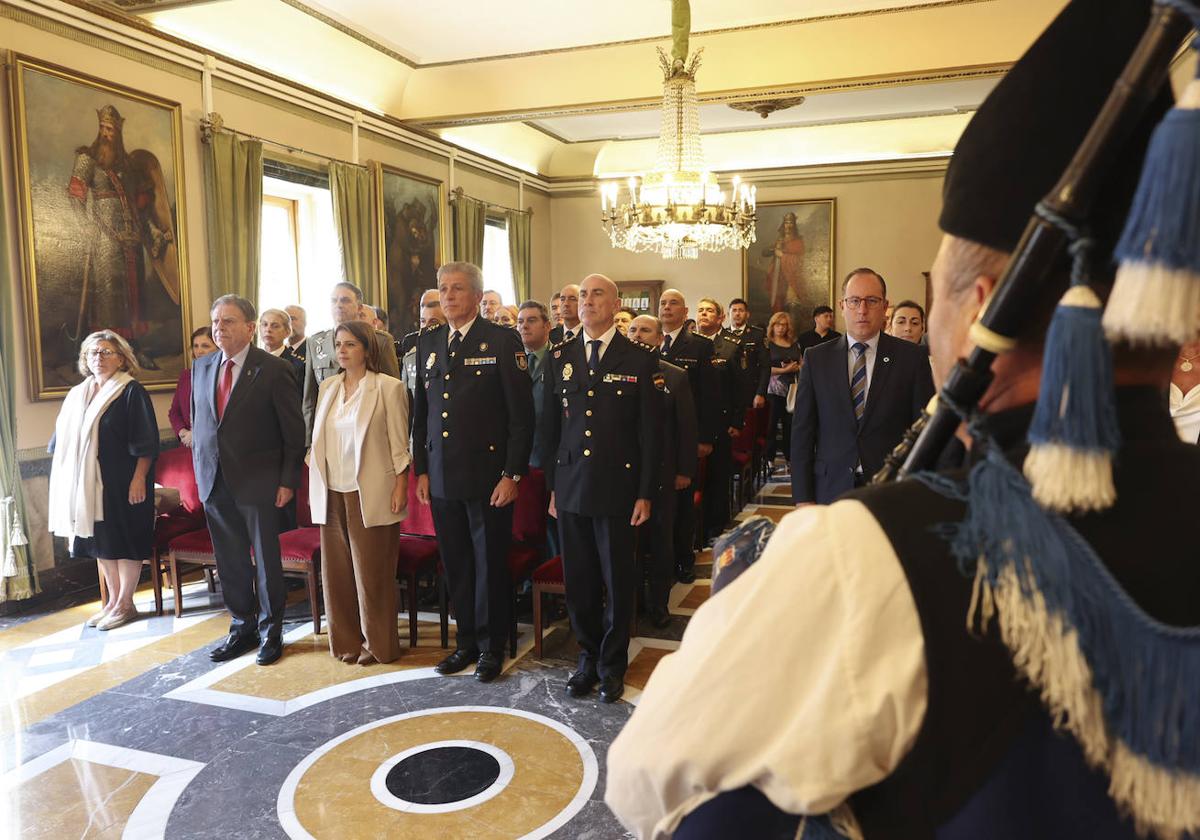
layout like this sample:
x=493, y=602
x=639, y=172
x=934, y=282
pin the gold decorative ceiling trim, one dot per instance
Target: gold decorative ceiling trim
x=750, y=27
x=352, y=32
x=138, y=7
x=978, y=71
x=913, y=115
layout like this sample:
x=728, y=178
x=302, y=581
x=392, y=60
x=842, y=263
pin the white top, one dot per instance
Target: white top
x=1185, y=410
x=605, y=340
x=872, y=346
x=835, y=715
x=239, y=362
x=340, y=450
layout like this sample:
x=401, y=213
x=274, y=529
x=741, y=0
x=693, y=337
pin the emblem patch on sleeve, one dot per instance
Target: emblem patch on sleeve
x=660, y=382
x=522, y=362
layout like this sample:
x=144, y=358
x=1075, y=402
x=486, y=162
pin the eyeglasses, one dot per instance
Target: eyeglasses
x=101, y=354
x=856, y=302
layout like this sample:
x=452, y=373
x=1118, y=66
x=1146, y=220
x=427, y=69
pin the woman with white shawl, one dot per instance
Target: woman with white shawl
x=101, y=478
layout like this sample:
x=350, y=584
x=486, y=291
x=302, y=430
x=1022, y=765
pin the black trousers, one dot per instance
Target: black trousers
x=685, y=529
x=779, y=414
x=598, y=558
x=716, y=486
x=254, y=591
x=660, y=570
x=474, y=538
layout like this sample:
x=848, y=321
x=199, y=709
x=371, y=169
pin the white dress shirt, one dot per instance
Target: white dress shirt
x=462, y=331
x=872, y=346
x=239, y=362
x=340, y=424
x=605, y=340
x=571, y=332
x=724, y=711
x=1185, y=411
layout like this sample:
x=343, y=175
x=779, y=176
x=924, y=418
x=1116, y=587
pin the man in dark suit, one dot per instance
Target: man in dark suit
x=344, y=303
x=730, y=408
x=533, y=325
x=568, y=311
x=603, y=472
x=751, y=341
x=679, y=462
x=247, y=446
x=431, y=315
x=855, y=397
x=694, y=354
x=472, y=434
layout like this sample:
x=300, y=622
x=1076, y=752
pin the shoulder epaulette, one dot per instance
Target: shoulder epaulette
x=566, y=341
x=643, y=345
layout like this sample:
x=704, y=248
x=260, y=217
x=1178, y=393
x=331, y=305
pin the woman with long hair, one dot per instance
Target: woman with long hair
x=102, y=475
x=180, y=413
x=785, y=357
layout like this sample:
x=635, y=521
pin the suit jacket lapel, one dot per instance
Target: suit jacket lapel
x=245, y=381
x=879, y=376
x=366, y=408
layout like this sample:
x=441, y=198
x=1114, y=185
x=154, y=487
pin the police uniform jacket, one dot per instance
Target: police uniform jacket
x=321, y=364
x=694, y=354
x=680, y=430
x=751, y=342
x=473, y=414
x=604, y=432
x=730, y=406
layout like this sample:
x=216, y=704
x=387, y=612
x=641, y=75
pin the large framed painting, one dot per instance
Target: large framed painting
x=103, y=233
x=412, y=229
x=789, y=268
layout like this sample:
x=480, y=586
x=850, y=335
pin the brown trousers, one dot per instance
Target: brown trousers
x=358, y=568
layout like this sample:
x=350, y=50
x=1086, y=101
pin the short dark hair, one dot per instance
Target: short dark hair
x=555, y=296
x=346, y=284
x=381, y=314
x=628, y=309
x=736, y=301
x=364, y=333
x=199, y=331
x=246, y=307
x=865, y=270
x=909, y=304
x=535, y=304
x=821, y=310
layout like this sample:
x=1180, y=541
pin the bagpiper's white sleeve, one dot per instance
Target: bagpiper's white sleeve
x=805, y=678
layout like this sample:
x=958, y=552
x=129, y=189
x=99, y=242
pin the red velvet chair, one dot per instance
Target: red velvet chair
x=548, y=579
x=172, y=469
x=417, y=555
x=528, y=540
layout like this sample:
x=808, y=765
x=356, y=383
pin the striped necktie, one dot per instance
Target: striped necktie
x=858, y=381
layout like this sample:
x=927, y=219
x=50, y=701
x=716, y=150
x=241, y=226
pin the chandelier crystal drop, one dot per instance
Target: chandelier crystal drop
x=678, y=209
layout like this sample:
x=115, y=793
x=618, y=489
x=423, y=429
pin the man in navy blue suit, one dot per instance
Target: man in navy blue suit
x=855, y=397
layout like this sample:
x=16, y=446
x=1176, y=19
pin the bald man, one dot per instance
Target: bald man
x=568, y=312
x=603, y=436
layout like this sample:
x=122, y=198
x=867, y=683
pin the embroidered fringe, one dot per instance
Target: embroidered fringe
x=1046, y=650
x=1067, y=480
x=1152, y=304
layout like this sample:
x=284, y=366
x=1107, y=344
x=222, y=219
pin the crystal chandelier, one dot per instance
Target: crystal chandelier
x=678, y=209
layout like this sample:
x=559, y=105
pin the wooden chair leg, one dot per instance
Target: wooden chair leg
x=314, y=597
x=537, y=621
x=178, y=585
x=412, y=610
x=103, y=585
x=156, y=580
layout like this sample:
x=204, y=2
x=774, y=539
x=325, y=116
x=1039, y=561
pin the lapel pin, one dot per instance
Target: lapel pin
x=483, y=347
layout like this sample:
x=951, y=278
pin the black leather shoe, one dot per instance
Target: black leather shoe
x=581, y=683
x=685, y=576
x=233, y=647
x=611, y=689
x=270, y=651
x=659, y=618
x=489, y=666
x=457, y=661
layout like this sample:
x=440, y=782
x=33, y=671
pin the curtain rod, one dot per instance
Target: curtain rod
x=458, y=192
x=209, y=125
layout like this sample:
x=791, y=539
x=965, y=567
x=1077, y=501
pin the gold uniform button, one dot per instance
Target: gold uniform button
x=445, y=414
x=445, y=395
x=588, y=412
x=445, y=434
x=591, y=393
x=587, y=452
x=618, y=392
x=447, y=376
x=587, y=432
x=479, y=373
x=629, y=466
x=491, y=448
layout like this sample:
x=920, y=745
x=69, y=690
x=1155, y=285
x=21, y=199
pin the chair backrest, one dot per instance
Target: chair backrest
x=419, y=521
x=529, y=510
x=303, y=511
x=744, y=442
x=174, y=469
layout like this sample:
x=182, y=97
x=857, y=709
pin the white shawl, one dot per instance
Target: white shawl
x=76, y=489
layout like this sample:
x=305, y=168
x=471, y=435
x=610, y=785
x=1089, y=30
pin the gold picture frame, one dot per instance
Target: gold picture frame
x=410, y=249
x=792, y=272
x=103, y=226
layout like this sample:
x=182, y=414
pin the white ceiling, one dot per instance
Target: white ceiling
x=433, y=31
x=871, y=104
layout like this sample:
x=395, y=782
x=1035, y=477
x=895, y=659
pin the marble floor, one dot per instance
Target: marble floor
x=134, y=733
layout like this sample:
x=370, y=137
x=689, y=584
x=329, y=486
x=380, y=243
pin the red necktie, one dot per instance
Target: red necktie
x=223, y=389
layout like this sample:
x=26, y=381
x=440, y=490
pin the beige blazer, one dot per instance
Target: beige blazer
x=380, y=448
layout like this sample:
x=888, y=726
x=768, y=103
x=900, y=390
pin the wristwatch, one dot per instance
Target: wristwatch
x=516, y=479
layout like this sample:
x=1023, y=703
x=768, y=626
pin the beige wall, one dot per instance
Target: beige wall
x=889, y=225
x=247, y=112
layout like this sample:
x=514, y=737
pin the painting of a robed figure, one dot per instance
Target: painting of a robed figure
x=789, y=268
x=410, y=215
x=100, y=184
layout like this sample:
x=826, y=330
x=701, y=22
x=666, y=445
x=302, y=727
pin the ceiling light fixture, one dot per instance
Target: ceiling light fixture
x=765, y=107
x=678, y=208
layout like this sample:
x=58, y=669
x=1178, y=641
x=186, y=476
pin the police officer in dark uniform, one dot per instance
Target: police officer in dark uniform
x=679, y=463
x=751, y=341
x=731, y=411
x=694, y=354
x=472, y=435
x=431, y=316
x=602, y=466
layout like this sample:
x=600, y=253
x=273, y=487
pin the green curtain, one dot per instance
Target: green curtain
x=519, y=250
x=353, y=190
x=233, y=182
x=18, y=572
x=470, y=216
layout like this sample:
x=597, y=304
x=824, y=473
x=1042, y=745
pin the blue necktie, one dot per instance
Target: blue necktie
x=858, y=381
x=666, y=348
x=594, y=355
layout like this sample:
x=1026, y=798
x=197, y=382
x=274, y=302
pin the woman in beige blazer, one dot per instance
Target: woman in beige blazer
x=358, y=493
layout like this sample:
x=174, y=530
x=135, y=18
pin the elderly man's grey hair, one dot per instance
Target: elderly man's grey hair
x=468, y=270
